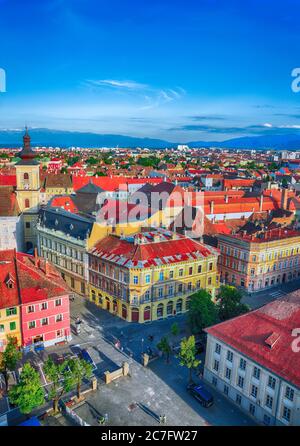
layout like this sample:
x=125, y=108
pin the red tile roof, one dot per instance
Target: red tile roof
x=265, y=336
x=33, y=279
x=141, y=250
x=8, y=180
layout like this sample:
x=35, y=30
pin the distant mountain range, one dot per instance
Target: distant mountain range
x=60, y=138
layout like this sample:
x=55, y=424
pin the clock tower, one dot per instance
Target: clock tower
x=28, y=190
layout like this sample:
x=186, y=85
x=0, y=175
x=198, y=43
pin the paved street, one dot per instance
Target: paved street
x=149, y=392
x=257, y=300
x=161, y=387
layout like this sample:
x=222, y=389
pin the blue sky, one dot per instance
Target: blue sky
x=179, y=70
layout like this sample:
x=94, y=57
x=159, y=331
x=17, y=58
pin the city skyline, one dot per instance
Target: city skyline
x=193, y=72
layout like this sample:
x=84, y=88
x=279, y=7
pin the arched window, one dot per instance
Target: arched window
x=160, y=310
x=27, y=203
x=26, y=176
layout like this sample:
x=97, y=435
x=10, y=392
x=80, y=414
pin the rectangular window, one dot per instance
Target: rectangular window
x=44, y=306
x=286, y=415
x=135, y=280
x=238, y=399
x=171, y=275
x=161, y=275
x=11, y=311
x=12, y=326
x=190, y=270
x=252, y=409
x=58, y=302
x=267, y=420
x=210, y=267
x=269, y=402
x=272, y=382
x=254, y=391
x=214, y=381
x=229, y=356
x=45, y=321
x=256, y=373
x=147, y=278
x=180, y=273
x=199, y=269
x=30, y=309
x=216, y=365
x=228, y=373
x=226, y=389
x=218, y=348
x=72, y=282
x=240, y=382
x=289, y=393
x=59, y=333
x=31, y=324
x=243, y=364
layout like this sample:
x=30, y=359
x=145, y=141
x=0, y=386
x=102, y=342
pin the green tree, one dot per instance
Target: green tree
x=57, y=374
x=187, y=355
x=28, y=393
x=165, y=347
x=175, y=329
x=77, y=371
x=229, y=303
x=9, y=358
x=202, y=311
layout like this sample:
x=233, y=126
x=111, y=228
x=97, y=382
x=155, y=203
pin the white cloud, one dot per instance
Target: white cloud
x=131, y=85
x=151, y=96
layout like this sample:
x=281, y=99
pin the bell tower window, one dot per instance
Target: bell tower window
x=27, y=203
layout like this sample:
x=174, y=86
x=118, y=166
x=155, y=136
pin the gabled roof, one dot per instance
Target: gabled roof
x=32, y=280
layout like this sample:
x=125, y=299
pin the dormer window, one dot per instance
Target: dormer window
x=10, y=283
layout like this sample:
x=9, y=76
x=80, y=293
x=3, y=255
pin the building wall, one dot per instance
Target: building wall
x=257, y=266
x=48, y=333
x=9, y=325
x=216, y=368
x=11, y=233
x=68, y=255
x=147, y=294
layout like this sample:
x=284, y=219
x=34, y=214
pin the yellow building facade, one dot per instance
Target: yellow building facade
x=9, y=325
x=155, y=283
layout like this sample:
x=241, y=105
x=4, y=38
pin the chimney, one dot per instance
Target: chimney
x=212, y=206
x=284, y=199
x=36, y=258
x=261, y=201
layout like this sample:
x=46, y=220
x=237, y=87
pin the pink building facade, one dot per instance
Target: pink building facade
x=45, y=320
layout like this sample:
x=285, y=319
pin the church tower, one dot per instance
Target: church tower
x=28, y=190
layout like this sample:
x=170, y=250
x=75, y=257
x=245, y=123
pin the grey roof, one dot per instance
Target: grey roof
x=90, y=188
x=61, y=220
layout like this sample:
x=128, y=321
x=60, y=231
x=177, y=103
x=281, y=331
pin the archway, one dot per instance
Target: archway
x=147, y=314
x=107, y=303
x=124, y=311
x=135, y=313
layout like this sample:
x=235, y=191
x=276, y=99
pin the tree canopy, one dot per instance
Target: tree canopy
x=202, y=311
x=187, y=355
x=229, y=303
x=9, y=358
x=28, y=393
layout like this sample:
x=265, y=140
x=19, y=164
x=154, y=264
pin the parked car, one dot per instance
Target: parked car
x=87, y=357
x=200, y=393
